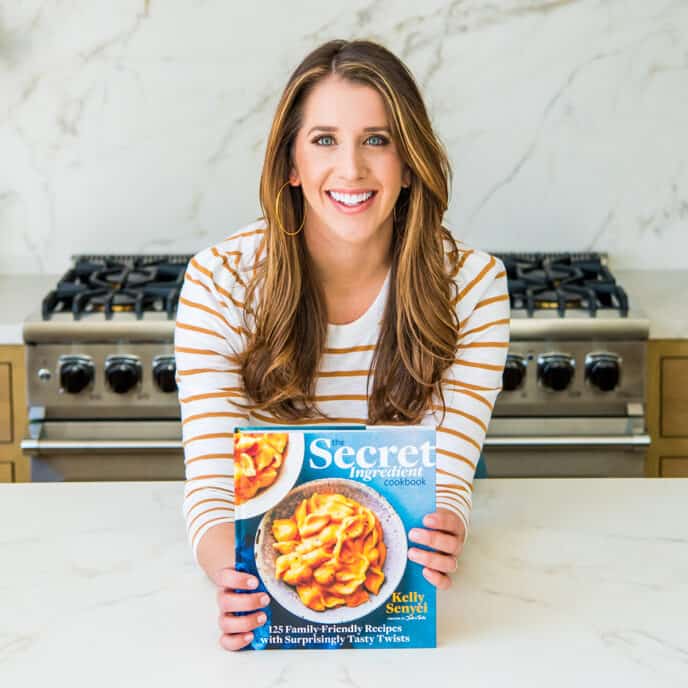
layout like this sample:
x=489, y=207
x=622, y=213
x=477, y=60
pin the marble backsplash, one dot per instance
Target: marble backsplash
x=139, y=126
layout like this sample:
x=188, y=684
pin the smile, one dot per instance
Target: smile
x=351, y=202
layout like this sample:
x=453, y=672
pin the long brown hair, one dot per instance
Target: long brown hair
x=288, y=327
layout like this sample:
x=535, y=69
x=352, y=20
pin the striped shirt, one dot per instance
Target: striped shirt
x=210, y=332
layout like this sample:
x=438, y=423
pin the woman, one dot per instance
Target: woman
x=347, y=302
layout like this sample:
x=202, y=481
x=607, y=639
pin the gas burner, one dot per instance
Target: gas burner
x=563, y=282
x=549, y=299
x=121, y=277
x=118, y=284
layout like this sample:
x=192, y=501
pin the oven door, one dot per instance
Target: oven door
x=77, y=451
x=566, y=447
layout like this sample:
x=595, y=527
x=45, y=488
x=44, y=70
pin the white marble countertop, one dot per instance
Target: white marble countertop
x=658, y=294
x=565, y=582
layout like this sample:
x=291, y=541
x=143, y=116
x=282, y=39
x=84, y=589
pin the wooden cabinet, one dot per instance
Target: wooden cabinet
x=673, y=466
x=6, y=472
x=5, y=403
x=13, y=466
x=667, y=407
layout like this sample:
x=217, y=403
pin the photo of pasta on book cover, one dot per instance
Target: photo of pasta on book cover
x=322, y=516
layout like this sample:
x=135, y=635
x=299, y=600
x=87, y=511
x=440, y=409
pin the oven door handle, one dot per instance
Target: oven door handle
x=570, y=441
x=54, y=446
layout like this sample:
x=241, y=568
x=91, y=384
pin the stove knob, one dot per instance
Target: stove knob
x=556, y=371
x=514, y=372
x=76, y=374
x=603, y=371
x=122, y=373
x=164, y=373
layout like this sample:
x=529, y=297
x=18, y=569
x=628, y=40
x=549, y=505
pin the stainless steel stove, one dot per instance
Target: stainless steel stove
x=573, y=399
x=102, y=391
x=101, y=372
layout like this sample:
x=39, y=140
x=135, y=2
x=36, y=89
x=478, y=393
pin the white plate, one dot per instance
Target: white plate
x=286, y=477
x=395, y=539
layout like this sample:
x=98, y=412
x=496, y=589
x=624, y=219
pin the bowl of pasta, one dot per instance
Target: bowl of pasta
x=266, y=466
x=331, y=551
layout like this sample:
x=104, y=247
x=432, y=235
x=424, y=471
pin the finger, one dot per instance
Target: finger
x=433, y=560
x=231, y=578
x=439, y=580
x=442, y=542
x=235, y=642
x=241, y=601
x=229, y=623
x=443, y=519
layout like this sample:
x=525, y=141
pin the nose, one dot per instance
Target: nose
x=351, y=163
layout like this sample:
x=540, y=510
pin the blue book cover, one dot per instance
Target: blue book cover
x=322, y=519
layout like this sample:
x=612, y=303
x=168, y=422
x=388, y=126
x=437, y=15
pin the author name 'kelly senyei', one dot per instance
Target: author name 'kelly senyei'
x=322, y=519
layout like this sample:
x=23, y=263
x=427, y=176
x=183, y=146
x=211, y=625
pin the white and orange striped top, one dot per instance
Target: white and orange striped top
x=210, y=331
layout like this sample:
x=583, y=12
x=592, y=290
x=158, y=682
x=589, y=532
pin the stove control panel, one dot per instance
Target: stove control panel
x=164, y=373
x=603, y=370
x=555, y=371
x=123, y=373
x=103, y=380
x=76, y=373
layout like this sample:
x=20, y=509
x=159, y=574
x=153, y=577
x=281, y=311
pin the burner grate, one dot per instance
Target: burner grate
x=563, y=281
x=118, y=283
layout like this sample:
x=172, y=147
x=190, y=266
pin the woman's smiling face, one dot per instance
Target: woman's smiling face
x=346, y=162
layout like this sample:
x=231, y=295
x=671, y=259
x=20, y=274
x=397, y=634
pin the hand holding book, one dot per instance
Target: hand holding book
x=237, y=629
x=444, y=533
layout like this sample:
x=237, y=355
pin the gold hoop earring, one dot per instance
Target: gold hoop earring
x=277, y=216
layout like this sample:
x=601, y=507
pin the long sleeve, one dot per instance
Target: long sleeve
x=207, y=336
x=473, y=382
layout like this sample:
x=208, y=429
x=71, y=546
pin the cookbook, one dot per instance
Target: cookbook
x=322, y=516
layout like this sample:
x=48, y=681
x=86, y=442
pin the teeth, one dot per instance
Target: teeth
x=351, y=199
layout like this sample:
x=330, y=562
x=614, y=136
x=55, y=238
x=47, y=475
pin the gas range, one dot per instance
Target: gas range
x=577, y=346
x=573, y=399
x=102, y=342
x=100, y=360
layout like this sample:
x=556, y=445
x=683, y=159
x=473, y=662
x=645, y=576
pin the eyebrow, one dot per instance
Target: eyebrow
x=326, y=128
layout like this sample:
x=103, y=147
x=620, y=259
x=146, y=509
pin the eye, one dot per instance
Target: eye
x=322, y=138
x=381, y=140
